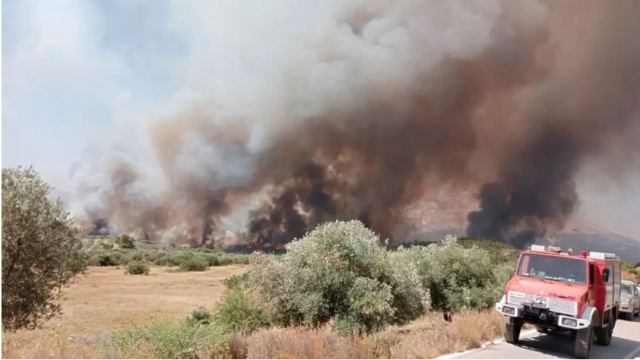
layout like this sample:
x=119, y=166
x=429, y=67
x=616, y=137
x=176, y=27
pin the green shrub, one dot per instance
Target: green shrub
x=227, y=259
x=137, y=268
x=457, y=277
x=339, y=270
x=194, y=263
x=104, y=259
x=212, y=259
x=236, y=281
x=154, y=255
x=78, y=261
x=167, y=339
x=134, y=256
x=125, y=242
x=237, y=312
x=198, y=316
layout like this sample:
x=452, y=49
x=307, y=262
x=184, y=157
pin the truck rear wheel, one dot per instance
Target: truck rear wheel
x=582, y=344
x=512, y=328
x=603, y=335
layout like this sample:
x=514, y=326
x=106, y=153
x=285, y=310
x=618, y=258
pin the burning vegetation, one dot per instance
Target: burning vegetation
x=379, y=105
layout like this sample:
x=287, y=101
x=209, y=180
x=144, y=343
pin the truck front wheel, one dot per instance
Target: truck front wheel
x=512, y=328
x=582, y=344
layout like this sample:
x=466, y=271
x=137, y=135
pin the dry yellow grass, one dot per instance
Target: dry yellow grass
x=427, y=337
x=106, y=298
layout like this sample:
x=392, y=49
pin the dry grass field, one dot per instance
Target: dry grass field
x=106, y=298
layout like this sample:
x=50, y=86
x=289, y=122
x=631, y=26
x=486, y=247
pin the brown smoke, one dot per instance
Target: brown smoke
x=585, y=106
x=517, y=118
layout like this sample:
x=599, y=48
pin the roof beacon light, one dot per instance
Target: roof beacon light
x=537, y=248
x=601, y=255
x=555, y=249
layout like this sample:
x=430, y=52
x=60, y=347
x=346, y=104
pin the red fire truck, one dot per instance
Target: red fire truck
x=561, y=291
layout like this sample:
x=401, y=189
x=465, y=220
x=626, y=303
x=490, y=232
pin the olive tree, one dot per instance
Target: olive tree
x=40, y=249
x=339, y=271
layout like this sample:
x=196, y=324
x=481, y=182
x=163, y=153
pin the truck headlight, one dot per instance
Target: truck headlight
x=569, y=322
x=509, y=310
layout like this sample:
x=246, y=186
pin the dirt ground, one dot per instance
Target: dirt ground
x=107, y=298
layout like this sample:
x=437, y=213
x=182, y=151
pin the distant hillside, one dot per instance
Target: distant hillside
x=628, y=249
x=588, y=238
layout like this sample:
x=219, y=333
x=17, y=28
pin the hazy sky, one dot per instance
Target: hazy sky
x=78, y=73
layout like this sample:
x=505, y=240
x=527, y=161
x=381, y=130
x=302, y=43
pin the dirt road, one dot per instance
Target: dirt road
x=624, y=345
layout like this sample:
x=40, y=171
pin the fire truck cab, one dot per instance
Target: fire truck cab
x=561, y=291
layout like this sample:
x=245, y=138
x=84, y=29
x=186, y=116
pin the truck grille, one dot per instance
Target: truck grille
x=562, y=306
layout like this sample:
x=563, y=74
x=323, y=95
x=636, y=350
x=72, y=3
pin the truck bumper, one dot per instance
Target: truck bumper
x=541, y=317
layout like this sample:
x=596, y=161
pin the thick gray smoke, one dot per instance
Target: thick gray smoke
x=365, y=107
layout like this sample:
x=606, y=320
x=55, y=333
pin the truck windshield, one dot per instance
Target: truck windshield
x=553, y=268
x=627, y=288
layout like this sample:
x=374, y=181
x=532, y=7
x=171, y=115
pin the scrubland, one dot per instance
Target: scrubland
x=337, y=292
x=107, y=300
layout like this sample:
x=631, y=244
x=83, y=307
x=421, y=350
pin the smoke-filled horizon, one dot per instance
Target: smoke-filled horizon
x=363, y=108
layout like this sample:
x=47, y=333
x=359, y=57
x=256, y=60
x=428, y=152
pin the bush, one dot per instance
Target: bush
x=227, y=259
x=194, y=263
x=78, y=261
x=107, y=258
x=237, y=312
x=155, y=255
x=137, y=268
x=198, y=316
x=166, y=339
x=134, y=256
x=125, y=242
x=339, y=270
x=457, y=277
x=40, y=249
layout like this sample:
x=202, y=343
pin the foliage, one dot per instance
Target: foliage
x=107, y=258
x=198, y=316
x=40, y=249
x=457, y=277
x=339, y=270
x=167, y=339
x=194, y=263
x=498, y=251
x=137, y=268
x=237, y=312
x=125, y=241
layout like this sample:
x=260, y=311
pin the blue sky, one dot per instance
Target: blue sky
x=70, y=67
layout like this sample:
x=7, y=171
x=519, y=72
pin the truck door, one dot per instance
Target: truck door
x=592, y=280
x=617, y=285
x=609, y=288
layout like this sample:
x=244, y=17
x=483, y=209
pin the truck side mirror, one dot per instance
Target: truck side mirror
x=605, y=275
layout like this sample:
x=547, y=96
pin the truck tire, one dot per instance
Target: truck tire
x=512, y=328
x=604, y=334
x=582, y=344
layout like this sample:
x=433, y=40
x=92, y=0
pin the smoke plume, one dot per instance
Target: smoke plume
x=368, y=106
